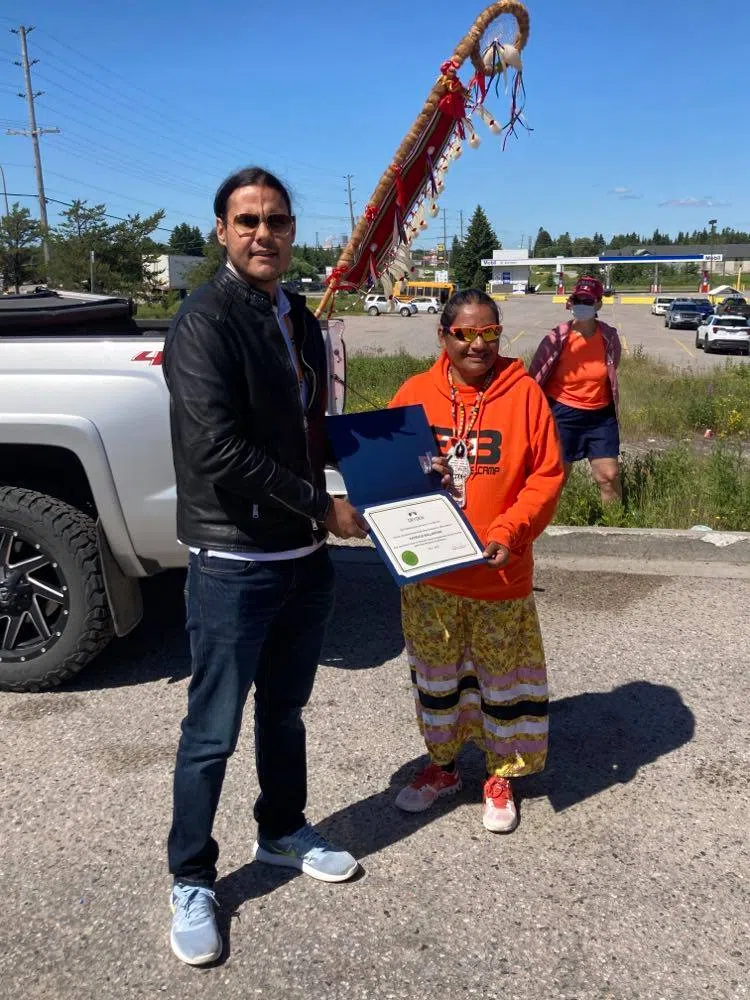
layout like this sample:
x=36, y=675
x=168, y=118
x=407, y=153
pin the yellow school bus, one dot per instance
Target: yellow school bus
x=440, y=290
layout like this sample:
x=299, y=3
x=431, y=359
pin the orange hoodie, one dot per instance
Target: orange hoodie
x=517, y=472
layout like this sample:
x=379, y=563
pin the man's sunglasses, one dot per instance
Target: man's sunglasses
x=468, y=334
x=246, y=225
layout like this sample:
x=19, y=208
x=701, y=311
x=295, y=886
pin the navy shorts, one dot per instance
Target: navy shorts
x=586, y=433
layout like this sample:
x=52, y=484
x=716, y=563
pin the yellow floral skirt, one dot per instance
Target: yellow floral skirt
x=479, y=676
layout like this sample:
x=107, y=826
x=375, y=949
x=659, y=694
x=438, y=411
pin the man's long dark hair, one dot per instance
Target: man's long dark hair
x=248, y=177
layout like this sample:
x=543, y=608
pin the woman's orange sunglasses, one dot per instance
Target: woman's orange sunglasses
x=467, y=334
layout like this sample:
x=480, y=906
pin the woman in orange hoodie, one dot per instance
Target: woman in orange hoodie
x=472, y=635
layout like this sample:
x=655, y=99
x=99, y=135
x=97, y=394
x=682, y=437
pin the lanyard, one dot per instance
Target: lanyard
x=461, y=431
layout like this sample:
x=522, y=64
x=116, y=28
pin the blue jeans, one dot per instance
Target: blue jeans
x=260, y=623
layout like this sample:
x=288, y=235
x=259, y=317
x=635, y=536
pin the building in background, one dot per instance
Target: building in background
x=171, y=271
x=511, y=271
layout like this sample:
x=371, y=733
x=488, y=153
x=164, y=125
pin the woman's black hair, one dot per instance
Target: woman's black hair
x=468, y=297
x=248, y=177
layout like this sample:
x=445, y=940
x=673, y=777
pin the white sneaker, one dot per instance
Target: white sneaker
x=500, y=814
x=194, y=936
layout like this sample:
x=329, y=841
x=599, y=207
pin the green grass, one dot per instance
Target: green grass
x=671, y=489
x=660, y=401
x=374, y=378
x=675, y=487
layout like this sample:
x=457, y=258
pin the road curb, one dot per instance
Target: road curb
x=645, y=551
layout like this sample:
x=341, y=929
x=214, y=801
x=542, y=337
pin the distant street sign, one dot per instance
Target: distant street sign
x=441, y=276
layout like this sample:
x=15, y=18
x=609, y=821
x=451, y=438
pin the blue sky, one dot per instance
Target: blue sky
x=639, y=110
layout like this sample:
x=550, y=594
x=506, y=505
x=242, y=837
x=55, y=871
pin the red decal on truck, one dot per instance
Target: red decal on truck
x=151, y=357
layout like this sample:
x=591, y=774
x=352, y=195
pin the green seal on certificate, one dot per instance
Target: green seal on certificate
x=409, y=558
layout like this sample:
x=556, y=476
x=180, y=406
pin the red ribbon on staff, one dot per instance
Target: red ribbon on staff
x=400, y=188
x=453, y=101
x=334, y=278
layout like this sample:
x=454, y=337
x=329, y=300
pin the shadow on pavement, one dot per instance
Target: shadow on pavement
x=363, y=828
x=599, y=739
x=365, y=631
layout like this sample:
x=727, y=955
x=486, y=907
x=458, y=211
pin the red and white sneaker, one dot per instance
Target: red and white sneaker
x=500, y=815
x=428, y=786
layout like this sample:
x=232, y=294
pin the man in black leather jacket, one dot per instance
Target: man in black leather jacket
x=246, y=369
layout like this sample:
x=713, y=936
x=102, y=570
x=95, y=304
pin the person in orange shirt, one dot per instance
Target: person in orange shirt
x=472, y=635
x=576, y=364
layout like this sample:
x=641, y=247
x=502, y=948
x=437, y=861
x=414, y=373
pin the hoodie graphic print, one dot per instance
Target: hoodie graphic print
x=517, y=473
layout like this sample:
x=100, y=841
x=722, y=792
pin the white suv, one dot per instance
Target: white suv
x=377, y=304
x=427, y=304
x=724, y=333
x=660, y=305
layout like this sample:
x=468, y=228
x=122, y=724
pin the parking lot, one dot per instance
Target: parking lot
x=526, y=319
x=626, y=880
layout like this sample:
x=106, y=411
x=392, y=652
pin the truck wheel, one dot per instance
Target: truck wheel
x=54, y=616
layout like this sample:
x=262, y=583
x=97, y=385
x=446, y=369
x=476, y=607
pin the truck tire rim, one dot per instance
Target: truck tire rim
x=34, y=598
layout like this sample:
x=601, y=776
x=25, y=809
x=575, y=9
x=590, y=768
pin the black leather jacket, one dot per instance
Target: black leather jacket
x=249, y=463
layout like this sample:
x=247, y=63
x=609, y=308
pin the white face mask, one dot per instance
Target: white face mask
x=581, y=311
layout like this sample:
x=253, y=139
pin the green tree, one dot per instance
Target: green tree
x=214, y=256
x=123, y=252
x=19, y=246
x=480, y=278
x=480, y=243
x=544, y=245
x=300, y=268
x=564, y=245
x=186, y=239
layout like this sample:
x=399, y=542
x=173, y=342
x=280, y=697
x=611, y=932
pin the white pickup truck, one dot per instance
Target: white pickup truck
x=87, y=488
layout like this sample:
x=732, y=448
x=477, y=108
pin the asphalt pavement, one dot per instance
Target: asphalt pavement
x=626, y=880
x=526, y=320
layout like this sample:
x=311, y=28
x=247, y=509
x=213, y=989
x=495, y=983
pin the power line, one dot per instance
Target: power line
x=159, y=111
x=70, y=204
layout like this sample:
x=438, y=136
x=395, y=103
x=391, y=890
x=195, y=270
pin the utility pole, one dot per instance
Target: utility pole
x=461, y=218
x=712, y=224
x=5, y=191
x=445, y=235
x=348, y=179
x=34, y=132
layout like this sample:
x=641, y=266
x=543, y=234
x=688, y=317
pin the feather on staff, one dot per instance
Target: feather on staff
x=412, y=183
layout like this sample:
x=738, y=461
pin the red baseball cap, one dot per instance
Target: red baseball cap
x=588, y=288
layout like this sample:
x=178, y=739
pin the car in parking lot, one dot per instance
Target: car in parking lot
x=660, y=304
x=427, y=304
x=705, y=307
x=377, y=304
x=682, y=312
x=724, y=333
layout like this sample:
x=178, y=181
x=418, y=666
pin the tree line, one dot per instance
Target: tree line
x=596, y=245
x=124, y=251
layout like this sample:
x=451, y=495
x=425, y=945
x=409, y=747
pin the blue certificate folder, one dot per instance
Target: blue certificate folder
x=378, y=454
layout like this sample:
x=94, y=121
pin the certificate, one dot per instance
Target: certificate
x=416, y=527
x=423, y=536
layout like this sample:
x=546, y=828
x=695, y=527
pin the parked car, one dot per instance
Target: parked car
x=724, y=333
x=733, y=305
x=87, y=487
x=427, y=304
x=682, y=312
x=706, y=308
x=377, y=304
x=660, y=304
